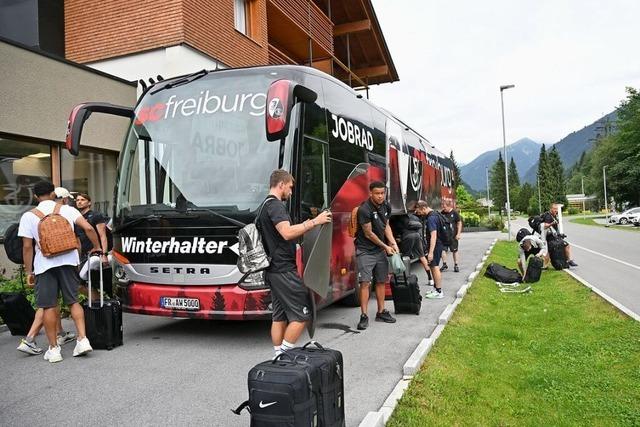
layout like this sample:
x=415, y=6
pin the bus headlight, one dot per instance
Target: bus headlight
x=253, y=281
x=119, y=273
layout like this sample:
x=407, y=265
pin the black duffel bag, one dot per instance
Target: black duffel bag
x=502, y=274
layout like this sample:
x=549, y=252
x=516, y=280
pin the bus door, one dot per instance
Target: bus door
x=313, y=195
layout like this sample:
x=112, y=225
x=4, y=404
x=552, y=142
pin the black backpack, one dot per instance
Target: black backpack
x=522, y=233
x=535, y=222
x=502, y=274
x=13, y=244
x=444, y=228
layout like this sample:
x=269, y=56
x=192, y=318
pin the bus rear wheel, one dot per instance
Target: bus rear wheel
x=352, y=300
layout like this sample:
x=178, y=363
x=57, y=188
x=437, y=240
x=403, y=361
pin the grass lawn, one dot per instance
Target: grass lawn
x=590, y=221
x=557, y=356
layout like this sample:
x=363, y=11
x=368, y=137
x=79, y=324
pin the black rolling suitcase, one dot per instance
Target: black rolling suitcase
x=556, y=253
x=103, y=322
x=282, y=393
x=16, y=312
x=406, y=293
x=331, y=393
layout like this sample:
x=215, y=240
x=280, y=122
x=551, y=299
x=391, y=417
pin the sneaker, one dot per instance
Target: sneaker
x=53, y=354
x=431, y=283
x=82, y=347
x=363, y=323
x=444, y=267
x=385, y=316
x=456, y=269
x=29, y=347
x=572, y=263
x=434, y=295
x=66, y=337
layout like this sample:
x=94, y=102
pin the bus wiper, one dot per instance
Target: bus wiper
x=186, y=79
x=219, y=215
x=136, y=221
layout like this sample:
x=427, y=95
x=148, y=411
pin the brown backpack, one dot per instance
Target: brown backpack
x=352, y=227
x=55, y=232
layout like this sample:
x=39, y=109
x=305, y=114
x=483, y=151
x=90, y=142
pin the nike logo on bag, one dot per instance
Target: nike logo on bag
x=266, y=405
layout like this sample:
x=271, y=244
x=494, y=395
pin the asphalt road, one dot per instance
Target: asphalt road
x=607, y=258
x=189, y=372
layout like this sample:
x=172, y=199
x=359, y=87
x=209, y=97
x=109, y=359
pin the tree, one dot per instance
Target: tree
x=556, y=177
x=623, y=172
x=514, y=183
x=456, y=171
x=521, y=202
x=514, y=178
x=497, y=183
x=544, y=179
x=463, y=197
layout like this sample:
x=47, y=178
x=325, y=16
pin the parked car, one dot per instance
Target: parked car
x=635, y=220
x=624, y=217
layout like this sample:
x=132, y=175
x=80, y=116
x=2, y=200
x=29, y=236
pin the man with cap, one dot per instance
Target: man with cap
x=55, y=274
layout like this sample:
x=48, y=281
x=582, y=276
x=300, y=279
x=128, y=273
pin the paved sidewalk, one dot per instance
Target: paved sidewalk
x=188, y=372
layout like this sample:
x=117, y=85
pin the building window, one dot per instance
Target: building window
x=22, y=164
x=241, y=13
x=93, y=173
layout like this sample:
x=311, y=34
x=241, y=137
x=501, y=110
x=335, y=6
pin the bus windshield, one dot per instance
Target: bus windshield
x=198, y=145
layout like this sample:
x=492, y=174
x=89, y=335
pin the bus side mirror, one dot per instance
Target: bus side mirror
x=81, y=113
x=281, y=97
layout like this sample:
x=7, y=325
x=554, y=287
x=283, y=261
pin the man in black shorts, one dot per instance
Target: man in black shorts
x=456, y=232
x=55, y=274
x=290, y=298
x=433, y=246
x=374, y=232
x=550, y=230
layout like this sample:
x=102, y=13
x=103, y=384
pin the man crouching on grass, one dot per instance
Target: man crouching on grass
x=290, y=298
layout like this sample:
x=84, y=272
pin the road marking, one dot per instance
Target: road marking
x=606, y=297
x=606, y=256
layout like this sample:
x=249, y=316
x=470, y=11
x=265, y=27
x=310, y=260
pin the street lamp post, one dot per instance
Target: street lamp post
x=583, y=197
x=488, y=200
x=506, y=160
x=606, y=203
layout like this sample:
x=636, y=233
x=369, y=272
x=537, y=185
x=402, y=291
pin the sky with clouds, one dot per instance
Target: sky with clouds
x=570, y=61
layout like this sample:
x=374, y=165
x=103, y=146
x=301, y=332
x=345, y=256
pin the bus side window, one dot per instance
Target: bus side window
x=314, y=178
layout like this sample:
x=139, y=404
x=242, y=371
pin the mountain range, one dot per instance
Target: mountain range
x=525, y=153
x=572, y=146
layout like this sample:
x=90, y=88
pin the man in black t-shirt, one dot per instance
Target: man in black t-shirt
x=551, y=232
x=374, y=242
x=455, y=222
x=290, y=298
x=97, y=221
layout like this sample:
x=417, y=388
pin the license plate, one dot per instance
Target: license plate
x=175, y=303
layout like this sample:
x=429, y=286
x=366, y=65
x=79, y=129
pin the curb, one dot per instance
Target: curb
x=412, y=365
x=604, y=296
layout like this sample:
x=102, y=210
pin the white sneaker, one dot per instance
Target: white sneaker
x=435, y=295
x=82, y=347
x=431, y=282
x=53, y=354
x=29, y=347
x=65, y=338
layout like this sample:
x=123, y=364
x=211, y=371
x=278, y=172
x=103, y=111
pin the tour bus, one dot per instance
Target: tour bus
x=195, y=167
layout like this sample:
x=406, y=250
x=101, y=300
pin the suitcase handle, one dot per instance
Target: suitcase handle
x=101, y=280
x=243, y=405
x=316, y=343
x=280, y=357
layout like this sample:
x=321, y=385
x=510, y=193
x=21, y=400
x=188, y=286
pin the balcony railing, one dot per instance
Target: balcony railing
x=277, y=57
x=310, y=18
